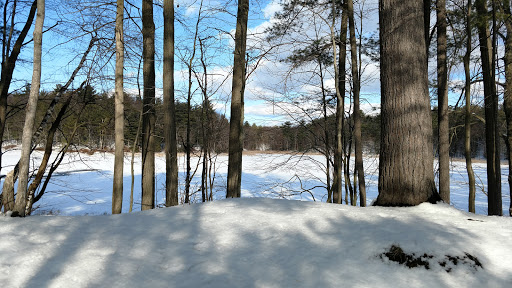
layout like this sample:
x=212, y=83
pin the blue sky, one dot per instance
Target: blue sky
x=265, y=86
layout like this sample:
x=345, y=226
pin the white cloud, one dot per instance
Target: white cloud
x=271, y=9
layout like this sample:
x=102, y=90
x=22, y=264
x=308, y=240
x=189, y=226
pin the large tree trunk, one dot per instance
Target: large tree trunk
x=442, y=98
x=359, y=170
x=491, y=112
x=171, y=154
x=30, y=116
x=8, y=65
x=117, y=191
x=508, y=92
x=406, y=175
x=337, y=186
x=467, y=118
x=148, y=102
x=236, y=135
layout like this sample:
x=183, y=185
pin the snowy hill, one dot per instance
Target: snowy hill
x=257, y=243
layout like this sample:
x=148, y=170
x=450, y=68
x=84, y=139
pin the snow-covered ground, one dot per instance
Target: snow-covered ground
x=253, y=241
x=257, y=242
x=83, y=183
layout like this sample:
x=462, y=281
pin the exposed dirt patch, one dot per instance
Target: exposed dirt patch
x=411, y=260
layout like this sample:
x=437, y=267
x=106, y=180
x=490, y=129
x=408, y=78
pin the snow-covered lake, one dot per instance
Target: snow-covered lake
x=83, y=183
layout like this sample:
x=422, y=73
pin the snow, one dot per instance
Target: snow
x=254, y=242
x=247, y=242
x=83, y=183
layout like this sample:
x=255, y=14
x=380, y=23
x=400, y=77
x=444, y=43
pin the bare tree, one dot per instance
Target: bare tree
x=236, y=136
x=148, y=120
x=21, y=197
x=508, y=91
x=117, y=191
x=359, y=170
x=406, y=175
x=10, y=57
x=491, y=110
x=171, y=158
x=442, y=98
x=8, y=187
x=467, y=117
x=340, y=109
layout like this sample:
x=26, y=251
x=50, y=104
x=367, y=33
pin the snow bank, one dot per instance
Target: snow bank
x=254, y=243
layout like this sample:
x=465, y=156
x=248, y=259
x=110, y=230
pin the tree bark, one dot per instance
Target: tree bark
x=491, y=112
x=467, y=118
x=442, y=98
x=236, y=135
x=8, y=187
x=340, y=110
x=8, y=65
x=426, y=25
x=148, y=109
x=46, y=157
x=406, y=175
x=171, y=154
x=117, y=190
x=30, y=116
x=359, y=170
x=507, y=95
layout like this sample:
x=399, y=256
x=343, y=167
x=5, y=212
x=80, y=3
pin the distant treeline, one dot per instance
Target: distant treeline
x=93, y=113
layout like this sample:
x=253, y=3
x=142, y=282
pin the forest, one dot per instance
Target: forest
x=153, y=78
x=256, y=143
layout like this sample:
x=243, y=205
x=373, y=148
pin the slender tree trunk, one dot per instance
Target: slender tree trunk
x=467, y=118
x=148, y=102
x=205, y=118
x=171, y=154
x=8, y=187
x=30, y=116
x=46, y=157
x=236, y=123
x=188, y=144
x=327, y=146
x=8, y=65
x=442, y=98
x=426, y=25
x=406, y=175
x=117, y=190
x=135, y=141
x=340, y=110
x=346, y=172
x=491, y=112
x=508, y=92
x=359, y=170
